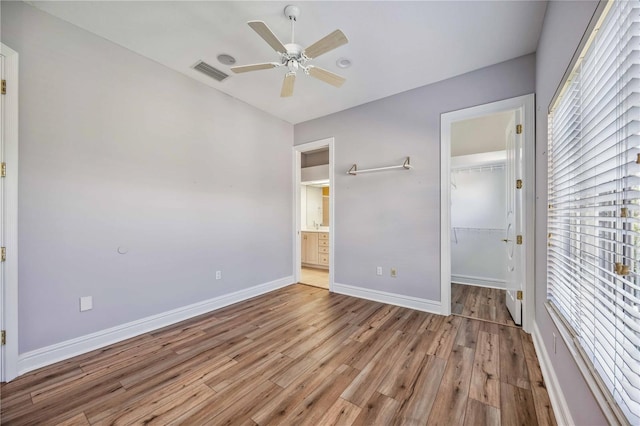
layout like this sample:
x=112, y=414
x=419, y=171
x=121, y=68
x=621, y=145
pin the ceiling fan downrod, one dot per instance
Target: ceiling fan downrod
x=292, y=12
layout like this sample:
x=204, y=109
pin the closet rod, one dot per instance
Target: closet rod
x=354, y=169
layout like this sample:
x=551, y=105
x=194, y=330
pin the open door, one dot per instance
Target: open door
x=2, y=219
x=514, y=225
x=9, y=214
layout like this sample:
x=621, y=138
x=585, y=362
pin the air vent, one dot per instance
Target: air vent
x=212, y=72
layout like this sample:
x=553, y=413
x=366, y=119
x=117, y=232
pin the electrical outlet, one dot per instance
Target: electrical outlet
x=379, y=270
x=394, y=272
x=86, y=303
x=218, y=275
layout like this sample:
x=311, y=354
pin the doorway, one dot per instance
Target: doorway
x=314, y=207
x=481, y=209
x=486, y=211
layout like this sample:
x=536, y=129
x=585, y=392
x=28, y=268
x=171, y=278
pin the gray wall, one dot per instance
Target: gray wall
x=116, y=150
x=392, y=218
x=564, y=25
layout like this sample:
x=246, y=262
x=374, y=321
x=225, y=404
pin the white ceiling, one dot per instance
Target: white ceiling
x=394, y=45
x=482, y=134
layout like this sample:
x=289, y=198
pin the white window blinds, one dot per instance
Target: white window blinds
x=593, y=275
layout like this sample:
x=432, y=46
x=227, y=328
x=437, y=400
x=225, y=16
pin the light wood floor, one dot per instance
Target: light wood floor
x=315, y=277
x=296, y=356
x=487, y=304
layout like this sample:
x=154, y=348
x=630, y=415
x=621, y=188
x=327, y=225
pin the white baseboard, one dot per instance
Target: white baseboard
x=558, y=402
x=42, y=357
x=390, y=298
x=480, y=281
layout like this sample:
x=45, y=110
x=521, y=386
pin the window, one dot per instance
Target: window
x=593, y=273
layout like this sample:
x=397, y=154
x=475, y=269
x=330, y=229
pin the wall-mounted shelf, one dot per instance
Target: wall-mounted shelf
x=354, y=169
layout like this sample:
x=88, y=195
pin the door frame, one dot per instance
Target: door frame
x=297, y=211
x=9, y=352
x=526, y=104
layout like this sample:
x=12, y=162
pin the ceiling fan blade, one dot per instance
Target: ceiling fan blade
x=287, y=85
x=254, y=67
x=267, y=35
x=326, y=76
x=326, y=44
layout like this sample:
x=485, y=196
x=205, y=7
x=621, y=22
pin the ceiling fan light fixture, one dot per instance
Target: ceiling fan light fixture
x=343, y=63
x=225, y=59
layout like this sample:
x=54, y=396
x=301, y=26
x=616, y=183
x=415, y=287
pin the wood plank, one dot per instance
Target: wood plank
x=416, y=408
x=159, y=386
x=379, y=410
x=254, y=369
x=544, y=411
x=467, y=333
x=365, y=384
x=77, y=420
x=451, y=403
x=485, y=378
x=284, y=376
x=61, y=404
x=40, y=378
x=444, y=337
x=482, y=303
x=341, y=413
x=490, y=327
x=513, y=365
x=315, y=404
x=402, y=371
x=282, y=405
x=234, y=406
x=158, y=406
x=113, y=373
x=516, y=406
x=367, y=350
x=481, y=414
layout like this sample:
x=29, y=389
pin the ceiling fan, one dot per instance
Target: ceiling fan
x=293, y=56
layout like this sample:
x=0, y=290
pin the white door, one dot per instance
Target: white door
x=514, y=225
x=2, y=221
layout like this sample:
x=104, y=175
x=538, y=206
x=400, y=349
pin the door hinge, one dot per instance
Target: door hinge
x=519, y=239
x=519, y=295
x=3, y=337
x=4, y=87
x=519, y=129
x=3, y=169
x=3, y=254
x=519, y=183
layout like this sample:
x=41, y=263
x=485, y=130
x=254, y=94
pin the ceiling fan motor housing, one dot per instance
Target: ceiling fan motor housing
x=294, y=58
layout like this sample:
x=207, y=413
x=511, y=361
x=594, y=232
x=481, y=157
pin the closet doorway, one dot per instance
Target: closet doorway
x=480, y=216
x=487, y=230
x=314, y=213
